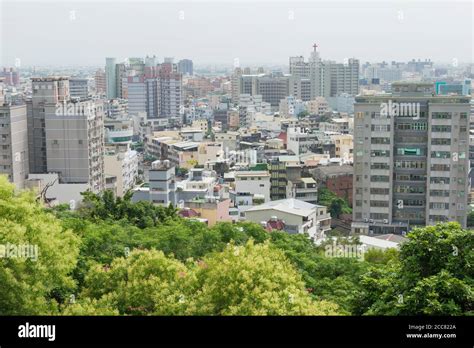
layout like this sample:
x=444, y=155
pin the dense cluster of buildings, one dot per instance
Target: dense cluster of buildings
x=255, y=145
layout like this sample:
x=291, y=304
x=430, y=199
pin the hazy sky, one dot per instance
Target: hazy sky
x=255, y=32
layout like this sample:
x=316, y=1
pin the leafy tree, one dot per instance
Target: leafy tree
x=89, y=306
x=120, y=257
x=332, y=279
x=377, y=256
x=440, y=294
x=33, y=284
x=470, y=219
x=106, y=206
x=181, y=172
x=335, y=204
x=432, y=276
x=241, y=280
x=303, y=114
x=434, y=248
x=335, y=208
x=192, y=162
x=252, y=279
x=146, y=282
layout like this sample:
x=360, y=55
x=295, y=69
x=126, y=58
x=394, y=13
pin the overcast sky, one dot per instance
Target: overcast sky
x=255, y=32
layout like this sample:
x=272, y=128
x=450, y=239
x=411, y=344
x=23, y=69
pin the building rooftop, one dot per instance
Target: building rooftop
x=336, y=169
x=288, y=159
x=378, y=243
x=185, y=145
x=250, y=173
x=308, y=180
x=291, y=206
x=49, y=78
x=392, y=238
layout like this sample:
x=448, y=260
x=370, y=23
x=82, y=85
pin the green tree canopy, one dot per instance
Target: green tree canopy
x=32, y=285
x=432, y=276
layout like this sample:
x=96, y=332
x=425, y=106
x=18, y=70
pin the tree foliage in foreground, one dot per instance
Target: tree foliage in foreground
x=252, y=279
x=433, y=276
x=33, y=285
x=106, y=206
x=115, y=257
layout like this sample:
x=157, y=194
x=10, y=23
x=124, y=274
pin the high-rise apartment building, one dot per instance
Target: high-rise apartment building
x=185, y=66
x=410, y=159
x=272, y=87
x=323, y=78
x=79, y=88
x=344, y=77
x=169, y=92
x=45, y=91
x=121, y=80
x=100, y=82
x=14, y=143
x=11, y=75
x=74, y=138
x=235, y=85
x=111, y=77
x=319, y=75
x=300, y=88
x=2, y=91
x=158, y=92
x=137, y=96
x=298, y=67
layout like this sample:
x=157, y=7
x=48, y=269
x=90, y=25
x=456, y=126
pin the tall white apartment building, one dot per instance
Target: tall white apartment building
x=324, y=78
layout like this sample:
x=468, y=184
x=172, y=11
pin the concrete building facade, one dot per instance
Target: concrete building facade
x=410, y=164
x=14, y=144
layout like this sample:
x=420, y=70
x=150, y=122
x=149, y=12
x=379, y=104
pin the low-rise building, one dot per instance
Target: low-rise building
x=51, y=190
x=255, y=182
x=298, y=216
x=229, y=140
x=121, y=162
x=300, y=140
x=161, y=187
x=304, y=189
x=212, y=209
